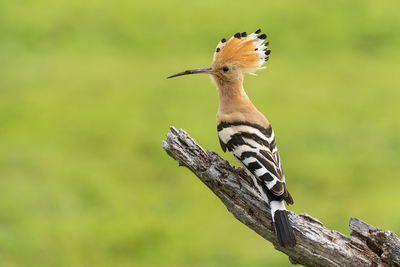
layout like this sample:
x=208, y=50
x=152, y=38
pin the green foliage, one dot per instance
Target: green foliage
x=85, y=105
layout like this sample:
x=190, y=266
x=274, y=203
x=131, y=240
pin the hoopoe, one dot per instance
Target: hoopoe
x=243, y=130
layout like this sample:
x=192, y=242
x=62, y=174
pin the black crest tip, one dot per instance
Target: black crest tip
x=268, y=52
x=262, y=36
x=237, y=35
x=223, y=40
x=218, y=49
x=244, y=34
x=257, y=31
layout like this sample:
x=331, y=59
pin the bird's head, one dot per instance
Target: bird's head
x=240, y=54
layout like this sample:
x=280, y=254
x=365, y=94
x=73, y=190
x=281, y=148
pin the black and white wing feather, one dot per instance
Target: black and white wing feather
x=255, y=147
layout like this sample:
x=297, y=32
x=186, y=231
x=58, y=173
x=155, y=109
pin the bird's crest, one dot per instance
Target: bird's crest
x=249, y=52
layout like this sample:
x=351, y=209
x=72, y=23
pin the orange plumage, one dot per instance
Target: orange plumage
x=246, y=51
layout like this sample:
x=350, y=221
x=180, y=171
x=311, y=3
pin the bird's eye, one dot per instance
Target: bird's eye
x=225, y=69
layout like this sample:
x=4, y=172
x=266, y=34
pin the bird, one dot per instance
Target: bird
x=243, y=130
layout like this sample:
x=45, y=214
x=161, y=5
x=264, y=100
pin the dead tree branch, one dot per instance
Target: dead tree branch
x=316, y=245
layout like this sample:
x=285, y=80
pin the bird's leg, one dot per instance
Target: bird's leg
x=242, y=173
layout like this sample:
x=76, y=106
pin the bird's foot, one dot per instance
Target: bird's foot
x=241, y=172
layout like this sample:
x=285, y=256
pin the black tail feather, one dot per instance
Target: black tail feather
x=284, y=229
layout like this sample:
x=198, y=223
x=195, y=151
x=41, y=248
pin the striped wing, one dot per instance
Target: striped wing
x=255, y=147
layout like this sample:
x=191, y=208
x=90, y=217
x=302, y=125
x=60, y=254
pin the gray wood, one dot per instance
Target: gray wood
x=316, y=245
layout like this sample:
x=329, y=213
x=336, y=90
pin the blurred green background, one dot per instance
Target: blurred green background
x=85, y=105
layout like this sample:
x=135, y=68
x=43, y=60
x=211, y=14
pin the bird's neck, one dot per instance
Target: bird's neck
x=233, y=98
x=235, y=105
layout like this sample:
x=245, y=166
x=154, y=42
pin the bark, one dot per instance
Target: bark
x=316, y=245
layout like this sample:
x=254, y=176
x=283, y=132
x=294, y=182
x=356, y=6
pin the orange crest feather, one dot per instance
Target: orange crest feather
x=249, y=52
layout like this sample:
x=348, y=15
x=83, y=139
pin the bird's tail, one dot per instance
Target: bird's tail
x=283, y=228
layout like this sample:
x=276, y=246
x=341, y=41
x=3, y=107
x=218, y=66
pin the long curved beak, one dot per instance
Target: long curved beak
x=201, y=70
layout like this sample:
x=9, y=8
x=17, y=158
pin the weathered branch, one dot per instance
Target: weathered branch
x=316, y=245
